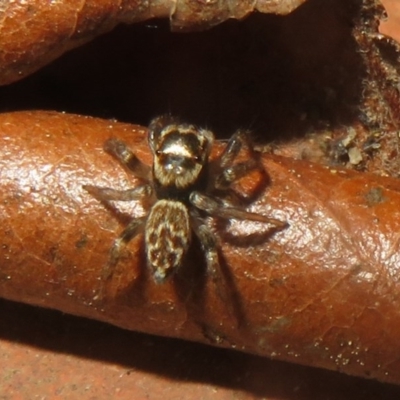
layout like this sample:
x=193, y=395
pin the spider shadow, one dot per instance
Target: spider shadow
x=226, y=287
x=122, y=217
x=138, y=283
x=133, y=292
x=192, y=283
x=196, y=289
x=258, y=238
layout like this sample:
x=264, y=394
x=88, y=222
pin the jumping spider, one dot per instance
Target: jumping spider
x=180, y=190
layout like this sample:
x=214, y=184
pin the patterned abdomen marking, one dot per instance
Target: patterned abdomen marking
x=167, y=237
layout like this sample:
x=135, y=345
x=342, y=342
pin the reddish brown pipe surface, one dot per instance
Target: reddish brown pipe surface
x=322, y=292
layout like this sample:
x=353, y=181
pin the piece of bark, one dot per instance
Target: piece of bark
x=368, y=141
x=34, y=33
x=322, y=292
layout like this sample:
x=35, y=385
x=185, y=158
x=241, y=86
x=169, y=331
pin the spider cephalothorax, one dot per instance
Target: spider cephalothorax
x=180, y=189
x=180, y=155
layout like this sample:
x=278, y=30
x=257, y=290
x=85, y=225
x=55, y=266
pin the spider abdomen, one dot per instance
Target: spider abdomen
x=167, y=237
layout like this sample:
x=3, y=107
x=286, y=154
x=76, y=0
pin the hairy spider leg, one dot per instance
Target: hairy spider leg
x=215, y=208
x=133, y=228
x=208, y=243
x=233, y=148
x=231, y=173
x=126, y=157
x=236, y=172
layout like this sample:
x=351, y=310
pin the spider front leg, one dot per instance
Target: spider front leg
x=215, y=208
x=124, y=155
x=231, y=172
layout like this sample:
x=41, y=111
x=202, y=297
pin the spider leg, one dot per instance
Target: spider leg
x=233, y=148
x=220, y=278
x=108, y=194
x=215, y=208
x=230, y=172
x=209, y=245
x=124, y=155
x=236, y=172
x=133, y=228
